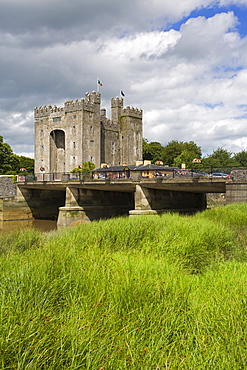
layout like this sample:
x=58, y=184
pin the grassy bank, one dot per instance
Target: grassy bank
x=157, y=292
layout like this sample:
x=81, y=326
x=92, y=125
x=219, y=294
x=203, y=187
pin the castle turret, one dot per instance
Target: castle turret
x=116, y=109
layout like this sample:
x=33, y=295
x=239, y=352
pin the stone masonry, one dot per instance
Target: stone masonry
x=65, y=137
x=7, y=188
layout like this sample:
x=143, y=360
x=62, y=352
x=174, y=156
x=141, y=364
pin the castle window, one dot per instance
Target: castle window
x=56, y=119
x=92, y=159
x=91, y=143
x=113, y=147
x=73, y=144
x=90, y=116
x=91, y=130
x=73, y=130
x=41, y=133
x=74, y=116
x=73, y=160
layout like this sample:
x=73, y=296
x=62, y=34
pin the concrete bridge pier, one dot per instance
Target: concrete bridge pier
x=18, y=208
x=143, y=202
x=236, y=192
x=85, y=205
x=72, y=212
x=156, y=201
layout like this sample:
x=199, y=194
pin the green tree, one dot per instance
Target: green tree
x=185, y=157
x=27, y=163
x=172, y=152
x=241, y=158
x=8, y=160
x=87, y=167
x=220, y=158
x=152, y=150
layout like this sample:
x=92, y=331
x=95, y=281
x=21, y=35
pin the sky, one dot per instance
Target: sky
x=183, y=62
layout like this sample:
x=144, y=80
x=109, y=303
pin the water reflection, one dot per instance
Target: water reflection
x=43, y=225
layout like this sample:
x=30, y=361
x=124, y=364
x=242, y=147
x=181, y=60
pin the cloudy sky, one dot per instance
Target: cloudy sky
x=183, y=62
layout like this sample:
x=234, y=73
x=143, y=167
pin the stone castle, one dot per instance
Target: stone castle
x=65, y=137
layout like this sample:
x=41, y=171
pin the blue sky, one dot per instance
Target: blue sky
x=184, y=63
x=239, y=11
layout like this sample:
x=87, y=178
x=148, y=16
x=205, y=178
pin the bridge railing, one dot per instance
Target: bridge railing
x=202, y=172
x=64, y=177
x=212, y=172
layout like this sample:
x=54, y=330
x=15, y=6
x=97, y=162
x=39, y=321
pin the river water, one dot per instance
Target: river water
x=43, y=225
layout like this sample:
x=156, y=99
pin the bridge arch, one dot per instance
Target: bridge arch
x=57, y=151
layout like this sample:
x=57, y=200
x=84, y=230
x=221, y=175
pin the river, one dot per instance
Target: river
x=43, y=225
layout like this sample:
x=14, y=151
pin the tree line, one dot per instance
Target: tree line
x=11, y=164
x=173, y=154
x=177, y=152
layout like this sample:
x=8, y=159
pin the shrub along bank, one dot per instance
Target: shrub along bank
x=152, y=292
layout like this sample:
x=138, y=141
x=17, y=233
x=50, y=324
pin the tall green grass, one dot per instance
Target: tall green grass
x=157, y=292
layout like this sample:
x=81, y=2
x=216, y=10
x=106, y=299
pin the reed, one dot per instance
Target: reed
x=157, y=292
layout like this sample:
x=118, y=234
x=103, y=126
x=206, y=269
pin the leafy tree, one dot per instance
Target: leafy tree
x=185, y=157
x=11, y=163
x=145, y=148
x=220, y=158
x=8, y=160
x=172, y=152
x=152, y=151
x=241, y=158
x=85, y=167
x=27, y=163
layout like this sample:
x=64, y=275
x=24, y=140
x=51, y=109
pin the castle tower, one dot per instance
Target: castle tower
x=116, y=109
x=67, y=136
x=78, y=132
x=131, y=135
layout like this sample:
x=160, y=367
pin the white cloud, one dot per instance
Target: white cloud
x=190, y=83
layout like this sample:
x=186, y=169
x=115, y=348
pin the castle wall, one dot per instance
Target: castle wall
x=131, y=135
x=65, y=137
x=111, y=148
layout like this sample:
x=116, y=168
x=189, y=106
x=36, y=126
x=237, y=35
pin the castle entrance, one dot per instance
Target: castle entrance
x=57, y=151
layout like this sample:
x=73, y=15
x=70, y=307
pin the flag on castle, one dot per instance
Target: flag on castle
x=99, y=83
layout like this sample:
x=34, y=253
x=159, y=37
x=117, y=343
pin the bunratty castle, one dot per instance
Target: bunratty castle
x=65, y=137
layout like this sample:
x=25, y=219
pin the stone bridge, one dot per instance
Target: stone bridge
x=75, y=201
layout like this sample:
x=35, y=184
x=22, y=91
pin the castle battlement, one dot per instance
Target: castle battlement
x=47, y=110
x=69, y=106
x=84, y=104
x=117, y=102
x=131, y=111
x=72, y=105
x=93, y=97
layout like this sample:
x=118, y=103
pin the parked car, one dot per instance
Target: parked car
x=158, y=174
x=219, y=174
x=102, y=176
